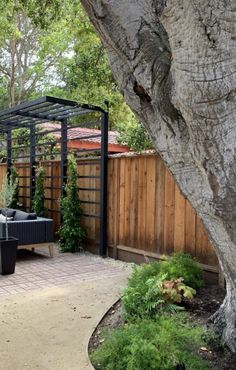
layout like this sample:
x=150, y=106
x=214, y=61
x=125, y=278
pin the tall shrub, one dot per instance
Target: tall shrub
x=38, y=201
x=71, y=232
x=14, y=179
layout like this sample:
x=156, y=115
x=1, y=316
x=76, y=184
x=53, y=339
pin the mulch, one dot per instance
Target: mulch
x=206, y=302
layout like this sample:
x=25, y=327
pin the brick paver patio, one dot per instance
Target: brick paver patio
x=38, y=271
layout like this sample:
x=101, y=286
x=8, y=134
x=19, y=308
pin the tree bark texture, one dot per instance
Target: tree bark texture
x=175, y=61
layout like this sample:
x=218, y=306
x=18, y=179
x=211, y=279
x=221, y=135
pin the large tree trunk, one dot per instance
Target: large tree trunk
x=175, y=61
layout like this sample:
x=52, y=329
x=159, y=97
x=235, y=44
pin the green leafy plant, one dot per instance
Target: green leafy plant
x=158, y=295
x=38, y=201
x=140, y=274
x=159, y=286
x=6, y=196
x=176, y=290
x=182, y=265
x=71, y=232
x=3, y=155
x=14, y=179
x=134, y=298
x=165, y=344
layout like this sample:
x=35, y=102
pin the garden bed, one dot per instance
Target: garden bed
x=200, y=309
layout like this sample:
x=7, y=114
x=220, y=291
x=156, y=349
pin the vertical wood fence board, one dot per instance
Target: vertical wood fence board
x=150, y=203
x=3, y=171
x=142, y=183
x=110, y=204
x=97, y=199
x=127, y=208
x=122, y=201
x=57, y=195
x=169, y=213
x=116, y=199
x=134, y=203
x=93, y=199
x=160, y=205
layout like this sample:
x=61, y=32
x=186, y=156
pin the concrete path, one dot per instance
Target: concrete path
x=48, y=328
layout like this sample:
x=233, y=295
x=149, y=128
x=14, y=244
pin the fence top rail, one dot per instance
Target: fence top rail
x=145, y=153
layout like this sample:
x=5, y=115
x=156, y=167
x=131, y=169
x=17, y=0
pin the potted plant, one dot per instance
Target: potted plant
x=8, y=245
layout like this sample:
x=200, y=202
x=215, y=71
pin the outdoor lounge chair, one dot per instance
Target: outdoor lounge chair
x=32, y=231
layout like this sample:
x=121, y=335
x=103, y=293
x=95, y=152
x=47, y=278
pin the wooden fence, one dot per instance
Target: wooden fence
x=146, y=212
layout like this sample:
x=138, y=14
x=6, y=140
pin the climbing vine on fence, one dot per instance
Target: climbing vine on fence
x=71, y=231
x=39, y=197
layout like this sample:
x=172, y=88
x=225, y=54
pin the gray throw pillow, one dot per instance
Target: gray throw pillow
x=9, y=212
x=32, y=216
x=22, y=216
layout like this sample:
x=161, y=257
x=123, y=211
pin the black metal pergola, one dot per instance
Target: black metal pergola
x=64, y=112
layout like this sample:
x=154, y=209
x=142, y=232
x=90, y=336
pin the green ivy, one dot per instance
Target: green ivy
x=38, y=201
x=71, y=232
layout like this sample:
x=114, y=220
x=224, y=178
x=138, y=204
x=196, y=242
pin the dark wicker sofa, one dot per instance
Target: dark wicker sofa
x=32, y=231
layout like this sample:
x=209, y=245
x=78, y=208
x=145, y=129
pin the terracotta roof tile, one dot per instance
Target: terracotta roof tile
x=80, y=132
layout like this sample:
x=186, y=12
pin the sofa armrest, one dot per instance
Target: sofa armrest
x=2, y=230
x=49, y=234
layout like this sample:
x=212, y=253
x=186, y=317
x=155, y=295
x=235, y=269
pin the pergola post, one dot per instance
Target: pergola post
x=32, y=164
x=103, y=184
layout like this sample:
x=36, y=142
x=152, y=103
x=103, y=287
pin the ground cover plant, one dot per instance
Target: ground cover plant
x=159, y=286
x=166, y=343
x=155, y=335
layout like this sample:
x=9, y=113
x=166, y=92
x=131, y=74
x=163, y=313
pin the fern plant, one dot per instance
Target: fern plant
x=39, y=197
x=167, y=343
x=160, y=286
x=71, y=231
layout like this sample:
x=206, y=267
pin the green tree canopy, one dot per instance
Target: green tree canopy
x=50, y=47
